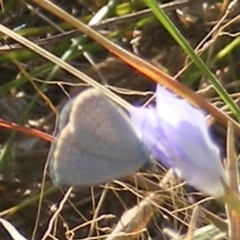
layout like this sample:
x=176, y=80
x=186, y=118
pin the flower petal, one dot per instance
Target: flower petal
x=145, y=121
x=194, y=155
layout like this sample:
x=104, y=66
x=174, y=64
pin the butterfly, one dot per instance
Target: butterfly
x=95, y=142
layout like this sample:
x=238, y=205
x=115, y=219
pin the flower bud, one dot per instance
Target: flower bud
x=177, y=135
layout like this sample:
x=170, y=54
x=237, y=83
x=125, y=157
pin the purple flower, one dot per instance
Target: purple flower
x=177, y=135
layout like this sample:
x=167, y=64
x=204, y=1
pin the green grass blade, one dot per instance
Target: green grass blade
x=182, y=42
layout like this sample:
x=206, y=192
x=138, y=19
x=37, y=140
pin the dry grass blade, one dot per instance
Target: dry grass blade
x=133, y=222
x=192, y=224
x=232, y=167
x=46, y=54
x=141, y=65
x=13, y=232
x=54, y=217
x=27, y=130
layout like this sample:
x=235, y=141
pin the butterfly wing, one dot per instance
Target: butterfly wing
x=98, y=144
